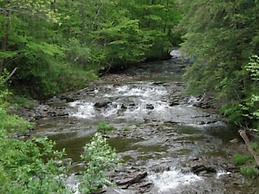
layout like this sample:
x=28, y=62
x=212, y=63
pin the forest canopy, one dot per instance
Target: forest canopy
x=50, y=41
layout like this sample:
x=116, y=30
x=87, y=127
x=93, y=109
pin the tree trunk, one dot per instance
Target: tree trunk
x=249, y=145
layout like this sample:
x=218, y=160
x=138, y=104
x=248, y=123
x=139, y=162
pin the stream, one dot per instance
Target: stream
x=175, y=141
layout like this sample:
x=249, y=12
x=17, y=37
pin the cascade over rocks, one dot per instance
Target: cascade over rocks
x=170, y=142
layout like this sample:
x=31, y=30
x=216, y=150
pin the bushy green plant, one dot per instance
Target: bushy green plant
x=245, y=161
x=249, y=172
x=126, y=128
x=104, y=127
x=233, y=113
x=239, y=159
x=8, y=122
x=250, y=105
x=255, y=145
x=22, y=101
x=48, y=76
x=24, y=169
x=100, y=158
x=32, y=166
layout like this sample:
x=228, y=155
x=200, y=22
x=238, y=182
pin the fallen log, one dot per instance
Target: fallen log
x=249, y=145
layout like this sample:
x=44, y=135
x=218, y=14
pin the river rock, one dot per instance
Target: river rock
x=103, y=104
x=174, y=102
x=132, y=180
x=201, y=169
x=150, y=106
x=67, y=98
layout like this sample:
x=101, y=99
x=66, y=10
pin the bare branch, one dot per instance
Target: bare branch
x=10, y=75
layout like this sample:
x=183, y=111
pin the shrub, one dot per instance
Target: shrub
x=23, y=169
x=32, y=166
x=100, y=158
x=239, y=159
x=249, y=172
x=104, y=127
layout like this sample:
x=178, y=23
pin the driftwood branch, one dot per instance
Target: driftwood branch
x=249, y=145
x=10, y=75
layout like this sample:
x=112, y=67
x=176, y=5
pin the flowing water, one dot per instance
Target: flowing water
x=157, y=130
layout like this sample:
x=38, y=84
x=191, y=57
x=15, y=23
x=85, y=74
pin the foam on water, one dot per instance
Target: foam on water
x=170, y=180
x=112, y=110
x=84, y=109
x=159, y=109
x=222, y=173
x=147, y=92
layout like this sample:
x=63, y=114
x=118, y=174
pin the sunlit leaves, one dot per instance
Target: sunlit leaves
x=40, y=8
x=253, y=67
x=100, y=158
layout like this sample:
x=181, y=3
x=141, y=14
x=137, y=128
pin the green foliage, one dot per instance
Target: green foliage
x=249, y=172
x=239, y=159
x=221, y=37
x=127, y=128
x=22, y=101
x=25, y=169
x=245, y=161
x=104, y=127
x=39, y=38
x=11, y=123
x=255, y=146
x=233, y=112
x=33, y=166
x=253, y=67
x=250, y=106
x=40, y=8
x=100, y=158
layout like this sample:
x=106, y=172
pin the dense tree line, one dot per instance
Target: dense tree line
x=222, y=37
x=47, y=42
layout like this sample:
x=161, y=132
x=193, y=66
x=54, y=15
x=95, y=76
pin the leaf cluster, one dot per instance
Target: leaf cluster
x=100, y=158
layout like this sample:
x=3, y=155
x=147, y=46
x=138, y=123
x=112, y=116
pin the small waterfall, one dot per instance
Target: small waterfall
x=134, y=101
x=168, y=181
x=139, y=90
x=84, y=110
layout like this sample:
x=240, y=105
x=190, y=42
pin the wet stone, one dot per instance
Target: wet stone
x=150, y=106
x=174, y=103
x=103, y=104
